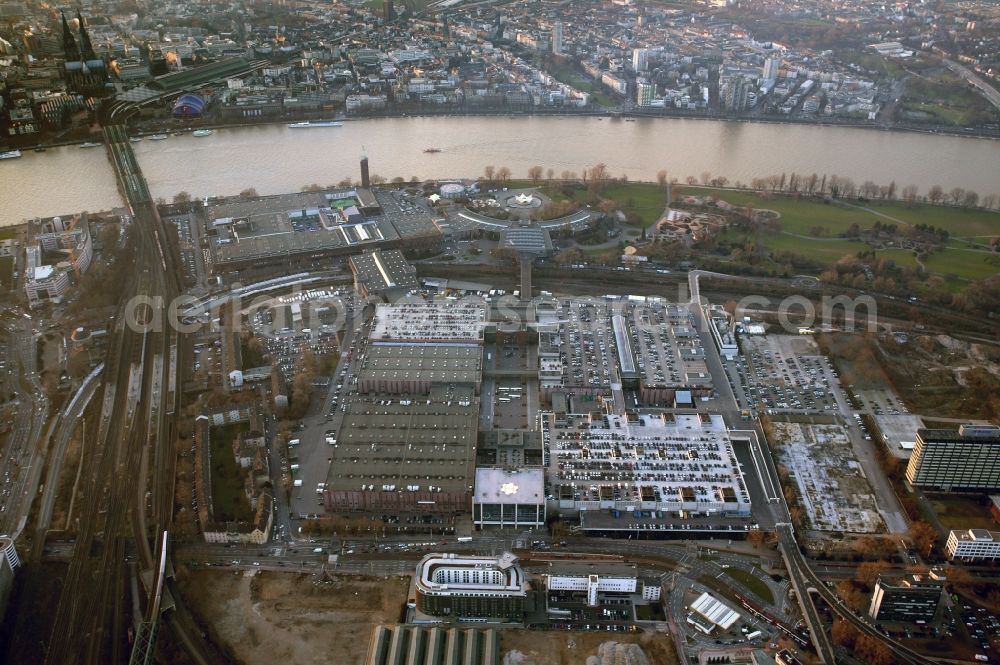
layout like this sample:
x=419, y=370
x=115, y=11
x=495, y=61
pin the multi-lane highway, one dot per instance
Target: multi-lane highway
x=22, y=457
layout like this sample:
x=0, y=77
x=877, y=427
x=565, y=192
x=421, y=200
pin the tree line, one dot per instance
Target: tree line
x=842, y=187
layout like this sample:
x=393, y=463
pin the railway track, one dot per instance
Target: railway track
x=89, y=617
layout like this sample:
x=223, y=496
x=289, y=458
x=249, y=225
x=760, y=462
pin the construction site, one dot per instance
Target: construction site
x=262, y=617
x=831, y=484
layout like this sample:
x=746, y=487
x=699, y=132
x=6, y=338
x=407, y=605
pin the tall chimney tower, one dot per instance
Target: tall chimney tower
x=526, y=260
x=365, y=180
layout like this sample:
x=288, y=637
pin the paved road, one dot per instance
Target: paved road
x=989, y=92
x=326, y=413
x=22, y=459
x=65, y=425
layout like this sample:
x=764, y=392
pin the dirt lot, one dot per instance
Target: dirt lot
x=535, y=647
x=962, y=511
x=272, y=618
x=934, y=375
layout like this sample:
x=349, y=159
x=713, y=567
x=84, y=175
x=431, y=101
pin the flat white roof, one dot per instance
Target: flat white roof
x=429, y=321
x=715, y=611
x=43, y=272
x=526, y=486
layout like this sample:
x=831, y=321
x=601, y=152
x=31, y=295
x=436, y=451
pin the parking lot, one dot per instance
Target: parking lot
x=786, y=373
x=311, y=320
x=188, y=247
x=586, y=345
x=313, y=453
x=511, y=407
x=878, y=401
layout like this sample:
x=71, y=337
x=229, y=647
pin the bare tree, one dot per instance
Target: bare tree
x=935, y=194
x=378, y=180
x=535, y=173
x=924, y=537
x=848, y=188
x=811, y=183
x=249, y=193
x=182, y=197
x=550, y=174
x=869, y=571
x=705, y=177
x=990, y=201
x=489, y=173
x=910, y=194
x=599, y=175
x=956, y=195
x=661, y=178
x=503, y=173
x=971, y=199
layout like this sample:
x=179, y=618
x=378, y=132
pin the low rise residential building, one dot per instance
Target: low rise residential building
x=973, y=545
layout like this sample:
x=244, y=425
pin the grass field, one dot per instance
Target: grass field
x=569, y=76
x=554, y=191
x=803, y=215
x=963, y=264
x=945, y=115
x=959, y=222
x=228, y=499
x=649, y=613
x=758, y=587
x=962, y=512
x=824, y=250
x=901, y=257
x=884, y=68
x=644, y=199
x=802, y=218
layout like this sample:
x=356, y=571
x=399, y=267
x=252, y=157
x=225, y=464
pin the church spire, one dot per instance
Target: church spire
x=70, y=51
x=86, y=48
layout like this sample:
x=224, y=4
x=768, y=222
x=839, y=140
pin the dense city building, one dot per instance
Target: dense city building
x=913, y=599
x=405, y=455
x=956, y=461
x=60, y=254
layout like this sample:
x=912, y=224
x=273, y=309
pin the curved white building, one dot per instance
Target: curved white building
x=451, y=585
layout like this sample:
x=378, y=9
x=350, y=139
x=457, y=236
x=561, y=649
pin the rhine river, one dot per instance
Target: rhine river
x=275, y=158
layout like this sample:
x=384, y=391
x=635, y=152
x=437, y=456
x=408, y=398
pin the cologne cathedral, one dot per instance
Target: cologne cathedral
x=85, y=73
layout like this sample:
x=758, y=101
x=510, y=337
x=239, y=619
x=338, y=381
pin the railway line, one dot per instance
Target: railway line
x=133, y=452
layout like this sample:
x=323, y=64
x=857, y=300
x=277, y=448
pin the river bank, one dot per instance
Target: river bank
x=273, y=158
x=151, y=127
